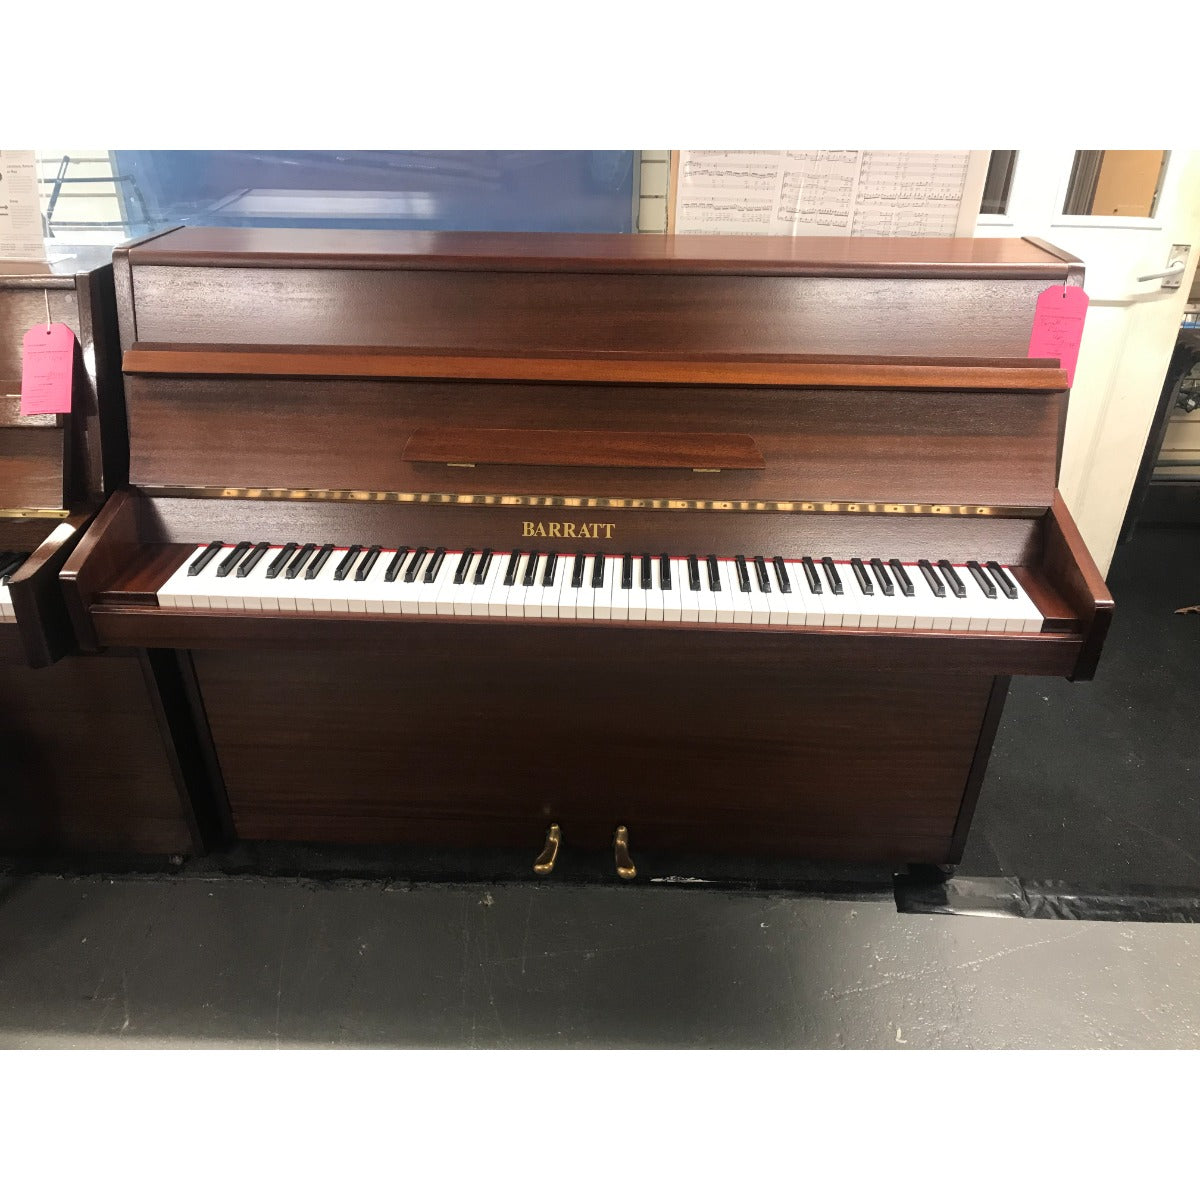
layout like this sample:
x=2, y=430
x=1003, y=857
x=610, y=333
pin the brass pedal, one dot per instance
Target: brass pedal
x=625, y=867
x=544, y=863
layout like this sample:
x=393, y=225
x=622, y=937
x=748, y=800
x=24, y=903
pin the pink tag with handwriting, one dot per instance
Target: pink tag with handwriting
x=49, y=356
x=1058, y=327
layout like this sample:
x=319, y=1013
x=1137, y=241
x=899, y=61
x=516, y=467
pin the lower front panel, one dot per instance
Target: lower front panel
x=85, y=767
x=459, y=741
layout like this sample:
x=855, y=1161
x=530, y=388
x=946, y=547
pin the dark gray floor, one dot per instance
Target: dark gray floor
x=246, y=962
x=1099, y=782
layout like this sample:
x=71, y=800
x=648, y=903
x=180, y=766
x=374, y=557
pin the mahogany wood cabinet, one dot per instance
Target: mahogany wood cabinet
x=88, y=761
x=671, y=406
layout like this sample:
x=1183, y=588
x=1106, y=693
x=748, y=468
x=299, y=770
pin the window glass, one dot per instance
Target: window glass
x=1115, y=183
x=998, y=183
x=565, y=190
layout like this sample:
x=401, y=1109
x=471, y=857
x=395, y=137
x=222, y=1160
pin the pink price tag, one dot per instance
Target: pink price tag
x=48, y=359
x=1058, y=327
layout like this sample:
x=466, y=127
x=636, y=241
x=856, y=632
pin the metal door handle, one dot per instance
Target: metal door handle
x=1176, y=268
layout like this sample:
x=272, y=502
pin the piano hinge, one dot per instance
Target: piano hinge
x=460, y=464
x=706, y=470
x=598, y=503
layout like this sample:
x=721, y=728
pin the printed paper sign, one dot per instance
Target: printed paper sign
x=20, y=206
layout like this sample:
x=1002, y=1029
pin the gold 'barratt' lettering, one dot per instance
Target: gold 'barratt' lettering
x=559, y=530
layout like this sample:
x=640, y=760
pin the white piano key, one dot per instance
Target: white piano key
x=779, y=602
x=639, y=597
x=585, y=598
x=177, y=591
x=689, y=601
x=1032, y=620
x=497, y=592
x=565, y=603
x=670, y=597
x=733, y=606
x=760, y=610
x=619, y=600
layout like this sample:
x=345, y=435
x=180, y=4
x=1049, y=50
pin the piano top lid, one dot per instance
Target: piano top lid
x=946, y=258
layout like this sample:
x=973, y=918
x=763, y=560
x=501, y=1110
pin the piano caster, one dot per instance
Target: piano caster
x=544, y=863
x=625, y=867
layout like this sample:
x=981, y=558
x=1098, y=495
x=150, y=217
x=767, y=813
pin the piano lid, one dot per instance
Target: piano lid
x=946, y=258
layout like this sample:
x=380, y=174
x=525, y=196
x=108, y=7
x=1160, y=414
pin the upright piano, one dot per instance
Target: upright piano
x=88, y=762
x=691, y=544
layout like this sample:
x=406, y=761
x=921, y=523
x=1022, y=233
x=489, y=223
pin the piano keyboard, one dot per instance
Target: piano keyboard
x=9, y=562
x=760, y=590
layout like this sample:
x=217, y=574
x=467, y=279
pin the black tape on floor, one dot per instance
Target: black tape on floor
x=1006, y=896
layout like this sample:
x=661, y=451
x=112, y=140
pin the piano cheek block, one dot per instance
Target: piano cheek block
x=606, y=586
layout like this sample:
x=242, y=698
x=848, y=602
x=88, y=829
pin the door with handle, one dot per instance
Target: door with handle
x=1133, y=217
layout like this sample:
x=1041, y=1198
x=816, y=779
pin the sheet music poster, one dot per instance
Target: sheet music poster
x=830, y=193
x=20, y=207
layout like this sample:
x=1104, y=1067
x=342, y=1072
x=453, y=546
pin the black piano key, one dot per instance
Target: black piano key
x=394, y=566
x=647, y=579
x=231, y=559
x=810, y=573
x=464, y=565
x=714, y=573
x=864, y=580
x=281, y=560
x=577, y=570
x=435, y=564
x=367, y=564
x=693, y=573
x=906, y=584
x=314, y=568
x=785, y=584
x=531, y=569
x=347, y=564
x=956, y=585
x=214, y=548
x=626, y=572
x=551, y=565
x=414, y=564
x=297, y=563
x=598, y=571
x=832, y=574
x=760, y=569
x=885, y=580
x=986, y=585
x=484, y=569
x=251, y=560
x=664, y=571
x=1001, y=577
x=743, y=576
x=514, y=563
x=931, y=577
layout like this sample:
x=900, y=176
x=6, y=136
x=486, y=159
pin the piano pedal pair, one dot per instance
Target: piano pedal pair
x=544, y=863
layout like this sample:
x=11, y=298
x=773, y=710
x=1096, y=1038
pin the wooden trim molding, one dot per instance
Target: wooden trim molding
x=378, y=362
